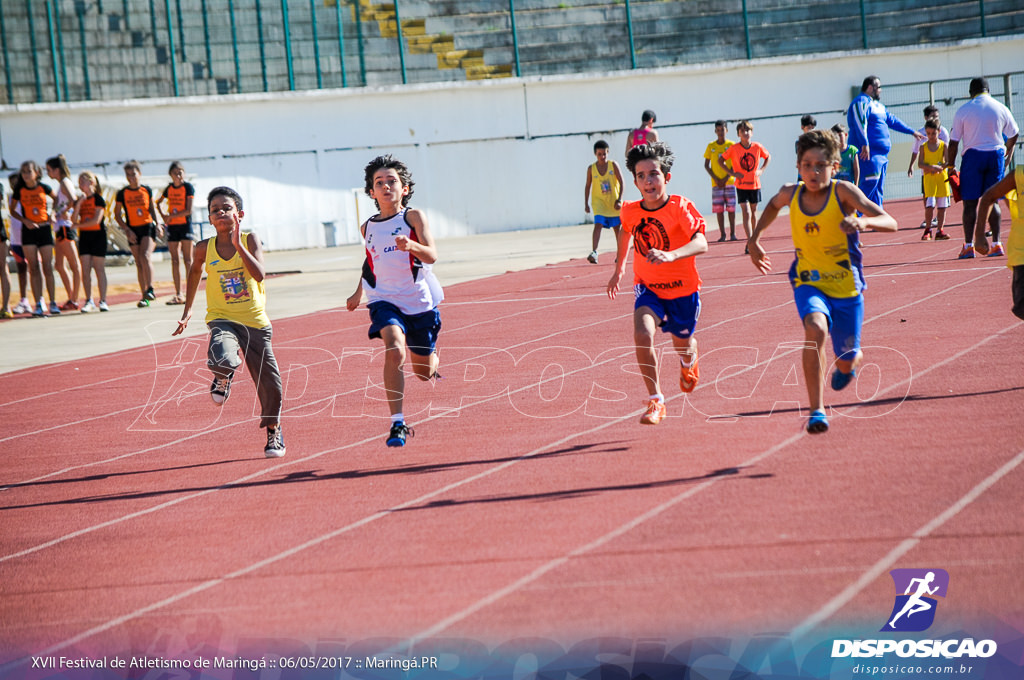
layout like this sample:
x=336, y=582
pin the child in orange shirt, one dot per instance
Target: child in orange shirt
x=743, y=161
x=667, y=233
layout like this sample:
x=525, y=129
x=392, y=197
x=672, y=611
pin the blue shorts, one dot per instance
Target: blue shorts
x=845, y=317
x=979, y=171
x=607, y=222
x=677, y=316
x=420, y=329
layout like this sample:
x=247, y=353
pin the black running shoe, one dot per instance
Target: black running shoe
x=399, y=431
x=275, y=443
x=220, y=390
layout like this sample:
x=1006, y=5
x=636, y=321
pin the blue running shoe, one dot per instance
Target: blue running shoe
x=399, y=431
x=817, y=423
x=840, y=380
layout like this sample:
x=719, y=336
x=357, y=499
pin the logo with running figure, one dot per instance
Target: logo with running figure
x=649, y=235
x=916, y=590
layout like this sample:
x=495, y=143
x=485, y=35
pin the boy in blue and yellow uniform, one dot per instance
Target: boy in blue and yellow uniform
x=1010, y=187
x=827, y=276
x=236, y=311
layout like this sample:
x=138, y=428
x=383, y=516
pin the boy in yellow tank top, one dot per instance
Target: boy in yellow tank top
x=1012, y=188
x=236, y=311
x=603, y=189
x=932, y=161
x=827, y=278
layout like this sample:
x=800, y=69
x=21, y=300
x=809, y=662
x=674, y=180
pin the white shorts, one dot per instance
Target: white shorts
x=933, y=202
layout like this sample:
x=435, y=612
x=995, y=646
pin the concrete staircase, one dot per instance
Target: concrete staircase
x=116, y=49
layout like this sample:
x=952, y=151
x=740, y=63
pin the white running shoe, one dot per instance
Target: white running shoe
x=103, y=306
x=88, y=307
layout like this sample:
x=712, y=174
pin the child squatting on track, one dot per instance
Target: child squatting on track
x=667, y=233
x=236, y=311
x=827, y=276
x=401, y=290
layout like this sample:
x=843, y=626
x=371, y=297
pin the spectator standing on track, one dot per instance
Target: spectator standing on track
x=935, y=181
x=67, y=262
x=17, y=251
x=36, y=234
x=5, y=278
x=135, y=212
x=1012, y=188
x=667, y=233
x=988, y=133
x=236, y=312
x=401, y=290
x=931, y=111
x=827, y=277
x=743, y=161
x=603, y=189
x=178, y=218
x=869, y=131
x=849, y=168
x=645, y=134
x=92, y=240
x=723, y=185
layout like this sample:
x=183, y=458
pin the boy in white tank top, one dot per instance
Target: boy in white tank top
x=401, y=290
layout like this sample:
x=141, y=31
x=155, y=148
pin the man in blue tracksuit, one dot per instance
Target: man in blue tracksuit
x=869, y=125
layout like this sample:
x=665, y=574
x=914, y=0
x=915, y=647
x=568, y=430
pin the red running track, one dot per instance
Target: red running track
x=136, y=515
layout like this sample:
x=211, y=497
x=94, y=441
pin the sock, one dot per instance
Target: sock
x=658, y=397
x=969, y=244
x=397, y=418
x=685, y=363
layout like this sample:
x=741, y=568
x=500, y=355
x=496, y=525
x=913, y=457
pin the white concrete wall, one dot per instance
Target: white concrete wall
x=486, y=156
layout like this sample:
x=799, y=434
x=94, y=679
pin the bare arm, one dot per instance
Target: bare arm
x=988, y=199
x=251, y=253
x=873, y=218
x=195, y=274
x=424, y=248
x=1010, y=143
x=951, y=150
x=622, y=185
x=586, y=192
x=757, y=252
x=913, y=162
x=621, y=251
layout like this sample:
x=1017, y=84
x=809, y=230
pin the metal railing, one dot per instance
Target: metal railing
x=60, y=50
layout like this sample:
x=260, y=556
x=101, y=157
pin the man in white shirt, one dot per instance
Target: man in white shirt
x=988, y=133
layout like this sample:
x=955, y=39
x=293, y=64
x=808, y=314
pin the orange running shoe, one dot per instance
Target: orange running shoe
x=688, y=377
x=656, y=410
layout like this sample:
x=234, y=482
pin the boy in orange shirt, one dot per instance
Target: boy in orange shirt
x=742, y=161
x=667, y=233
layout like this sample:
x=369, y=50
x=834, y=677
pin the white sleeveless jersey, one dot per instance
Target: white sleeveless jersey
x=395, y=276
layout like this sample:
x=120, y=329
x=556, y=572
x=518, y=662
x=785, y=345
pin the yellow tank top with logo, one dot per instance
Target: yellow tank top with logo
x=232, y=294
x=936, y=184
x=604, y=189
x=826, y=257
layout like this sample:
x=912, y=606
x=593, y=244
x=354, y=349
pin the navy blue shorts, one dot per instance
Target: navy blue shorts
x=677, y=316
x=979, y=170
x=845, y=317
x=420, y=329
